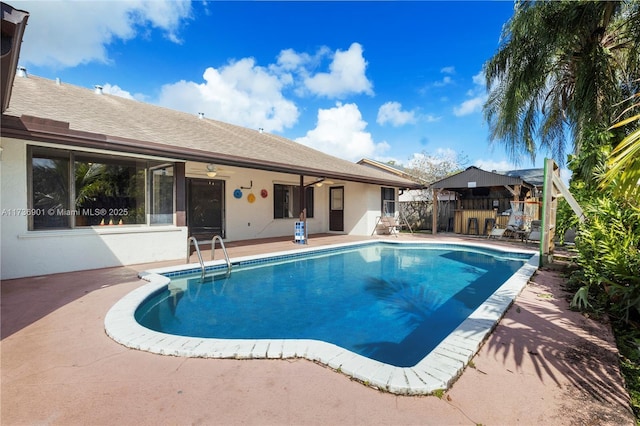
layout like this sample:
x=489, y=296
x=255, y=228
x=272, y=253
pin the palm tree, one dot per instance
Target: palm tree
x=561, y=68
x=624, y=161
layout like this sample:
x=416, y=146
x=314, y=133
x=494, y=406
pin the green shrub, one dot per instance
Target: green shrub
x=608, y=254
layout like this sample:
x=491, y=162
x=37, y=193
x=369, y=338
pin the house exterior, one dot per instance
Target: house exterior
x=90, y=180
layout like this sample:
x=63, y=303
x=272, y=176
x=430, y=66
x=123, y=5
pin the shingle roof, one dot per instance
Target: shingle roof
x=127, y=125
x=532, y=176
x=387, y=167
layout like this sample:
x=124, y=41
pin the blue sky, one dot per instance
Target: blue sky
x=382, y=80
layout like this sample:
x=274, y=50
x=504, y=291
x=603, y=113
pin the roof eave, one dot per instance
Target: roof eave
x=14, y=22
x=46, y=130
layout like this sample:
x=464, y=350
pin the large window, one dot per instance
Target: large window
x=388, y=202
x=108, y=191
x=50, y=189
x=286, y=201
x=72, y=189
x=161, y=195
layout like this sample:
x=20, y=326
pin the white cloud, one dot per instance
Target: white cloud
x=116, y=90
x=469, y=106
x=437, y=156
x=166, y=15
x=294, y=68
x=478, y=79
x=69, y=33
x=392, y=113
x=249, y=95
x=340, y=131
x=241, y=93
x=346, y=75
x=290, y=60
x=448, y=153
x=490, y=165
x=446, y=80
x=478, y=97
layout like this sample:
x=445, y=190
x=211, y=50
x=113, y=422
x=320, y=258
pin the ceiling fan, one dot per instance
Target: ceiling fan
x=319, y=182
x=213, y=170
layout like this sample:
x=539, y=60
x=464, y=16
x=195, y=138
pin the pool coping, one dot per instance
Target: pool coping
x=436, y=371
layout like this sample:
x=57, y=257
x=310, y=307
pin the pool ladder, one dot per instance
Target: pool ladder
x=213, y=246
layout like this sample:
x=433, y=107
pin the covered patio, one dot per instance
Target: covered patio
x=543, y=364
x=486, y=199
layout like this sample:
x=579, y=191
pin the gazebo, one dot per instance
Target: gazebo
x=485, y=199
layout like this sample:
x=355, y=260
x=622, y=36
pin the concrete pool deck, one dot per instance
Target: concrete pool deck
x=434, y=372
x=542, y=364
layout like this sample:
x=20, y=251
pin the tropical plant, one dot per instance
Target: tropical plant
x=50, y=183
x=90, y=182
x=623, y=173
x=608, y=253
x=559, y=74
x=118, y=187
x=555, y=85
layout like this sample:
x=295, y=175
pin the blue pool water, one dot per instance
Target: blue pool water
x=392, y=303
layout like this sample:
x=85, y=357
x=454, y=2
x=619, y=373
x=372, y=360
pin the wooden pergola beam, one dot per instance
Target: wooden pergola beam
x=552, y=190
x=434, y=219
x=511, y=190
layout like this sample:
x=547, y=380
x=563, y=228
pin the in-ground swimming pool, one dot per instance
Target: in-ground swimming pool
x=392, y=303
x=403, y=317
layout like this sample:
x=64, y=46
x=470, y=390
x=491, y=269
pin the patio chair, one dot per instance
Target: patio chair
x=497, y=232
x=513, y=231
x=513, y=228
x=510, y=231
x=535, y=233
x=391, y=224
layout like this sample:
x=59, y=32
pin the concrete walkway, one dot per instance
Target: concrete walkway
x=543, y=364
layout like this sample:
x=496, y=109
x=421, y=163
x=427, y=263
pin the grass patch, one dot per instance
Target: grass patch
x=439, y=393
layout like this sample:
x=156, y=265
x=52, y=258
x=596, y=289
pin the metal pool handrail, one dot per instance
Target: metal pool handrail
x=213, y=246
x=224, y=250
x=195, y=243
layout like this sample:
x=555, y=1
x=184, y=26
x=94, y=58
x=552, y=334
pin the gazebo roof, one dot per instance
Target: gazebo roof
x=474, y=177
x=532, y=176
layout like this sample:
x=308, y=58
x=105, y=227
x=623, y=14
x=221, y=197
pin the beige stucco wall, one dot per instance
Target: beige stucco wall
x=246, y=220
x=31, y=253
